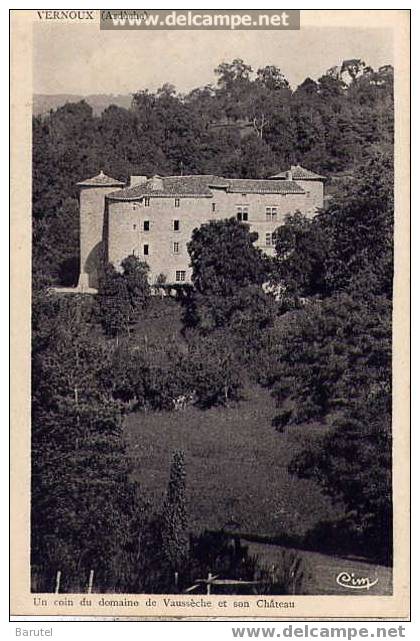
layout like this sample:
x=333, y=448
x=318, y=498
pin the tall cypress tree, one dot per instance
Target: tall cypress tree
x=174, y=527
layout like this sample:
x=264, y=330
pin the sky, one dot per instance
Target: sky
x=81, y=59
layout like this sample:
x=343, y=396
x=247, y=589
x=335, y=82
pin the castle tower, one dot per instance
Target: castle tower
x=312, y=183
x=92, y=212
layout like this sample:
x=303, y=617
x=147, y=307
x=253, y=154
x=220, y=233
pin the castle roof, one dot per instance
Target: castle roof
x=254, y=186
x=298, y=173
x=172, y=186
x=200, y=186
x=101, y=180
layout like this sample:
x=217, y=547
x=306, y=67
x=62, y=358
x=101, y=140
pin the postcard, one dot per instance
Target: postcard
x=210, y=314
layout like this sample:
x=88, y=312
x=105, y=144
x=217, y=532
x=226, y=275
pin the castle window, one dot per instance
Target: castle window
x=242, y=213
x=271, y=214
x=146, y=225
x=147, y=201
x=134, y=227
x=180, y=276
x=269, y=239
x=213, y=207
x=176, y=202
x=176, y=248
x=176, y=225
x=145, y=250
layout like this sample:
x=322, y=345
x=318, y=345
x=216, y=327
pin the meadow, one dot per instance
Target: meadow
x=236, y=466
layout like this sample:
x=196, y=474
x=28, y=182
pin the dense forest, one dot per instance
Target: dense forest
x=321, y=343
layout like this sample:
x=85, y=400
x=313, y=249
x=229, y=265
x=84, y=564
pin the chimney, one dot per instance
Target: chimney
x=289, y=175
x=137, y=180
x=156, y=183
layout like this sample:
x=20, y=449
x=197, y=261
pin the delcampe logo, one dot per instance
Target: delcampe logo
x=183, y=19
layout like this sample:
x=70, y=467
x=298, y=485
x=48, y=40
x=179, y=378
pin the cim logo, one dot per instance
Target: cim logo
x=353, y=582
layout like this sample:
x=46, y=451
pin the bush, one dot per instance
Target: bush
x=287, y=576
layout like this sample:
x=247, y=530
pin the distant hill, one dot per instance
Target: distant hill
x=43, y=103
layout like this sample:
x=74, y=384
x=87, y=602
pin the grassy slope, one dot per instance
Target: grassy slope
x=236, y=465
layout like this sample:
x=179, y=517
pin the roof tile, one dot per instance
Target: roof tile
x=173, y=186
x=101, y=180
x=200, y=186
x=239, y=185
x=298, y=173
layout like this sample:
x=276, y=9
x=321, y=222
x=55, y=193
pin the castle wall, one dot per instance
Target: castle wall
x=127, y=234
x=314, y=199
x=92, y=206
x=227, y=205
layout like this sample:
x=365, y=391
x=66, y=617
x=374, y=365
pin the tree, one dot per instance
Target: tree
x=56, y=244
x=135, y=276
x=233, y=73
x=353, y=465
x=234, y=84
x=174, y=515
x=224, y=261
x=302, y=250
x=59, y=158
x=255, y=159
x=224, y=258
x=328, y=353
x=330, y=361
x=272, y=78
x=360, y=222
x=114, y=303
x=310, y=125
x=123, y=295
x=86, y=512
x=212, y=369
x=308, y=87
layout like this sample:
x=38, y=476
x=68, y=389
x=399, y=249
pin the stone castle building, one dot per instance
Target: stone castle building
x=153, y=218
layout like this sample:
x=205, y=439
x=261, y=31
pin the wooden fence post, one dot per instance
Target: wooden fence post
x=57, y=582
x=90, y=584
x=209, y=578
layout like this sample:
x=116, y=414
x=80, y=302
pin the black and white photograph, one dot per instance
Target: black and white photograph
x=212, y=285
